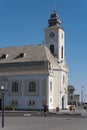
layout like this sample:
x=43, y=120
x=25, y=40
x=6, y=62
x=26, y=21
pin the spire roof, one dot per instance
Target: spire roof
x=54, y=19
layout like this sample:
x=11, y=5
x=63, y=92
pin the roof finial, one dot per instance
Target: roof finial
x=54, y=8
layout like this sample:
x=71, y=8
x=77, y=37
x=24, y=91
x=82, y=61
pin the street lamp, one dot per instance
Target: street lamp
x=2, y=90
x=82, y=96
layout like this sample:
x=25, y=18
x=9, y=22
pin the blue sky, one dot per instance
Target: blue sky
x=22, y=22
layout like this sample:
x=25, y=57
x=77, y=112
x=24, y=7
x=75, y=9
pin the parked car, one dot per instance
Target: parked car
x=85, y=106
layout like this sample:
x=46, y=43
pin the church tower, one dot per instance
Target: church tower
x=54, y=37
x=55, y=41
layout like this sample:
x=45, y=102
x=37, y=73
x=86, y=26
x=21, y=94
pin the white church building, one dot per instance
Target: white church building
x=36, y=75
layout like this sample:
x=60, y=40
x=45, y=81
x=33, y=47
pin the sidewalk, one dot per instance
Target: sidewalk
x=82, y=111
x=77, y=111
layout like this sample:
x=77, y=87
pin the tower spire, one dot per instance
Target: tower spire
x=54, y=19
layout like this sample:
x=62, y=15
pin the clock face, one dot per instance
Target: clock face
x=51, y=34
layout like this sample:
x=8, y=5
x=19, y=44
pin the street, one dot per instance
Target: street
x=44, y=123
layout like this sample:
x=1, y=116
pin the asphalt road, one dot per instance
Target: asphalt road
x=44, y=123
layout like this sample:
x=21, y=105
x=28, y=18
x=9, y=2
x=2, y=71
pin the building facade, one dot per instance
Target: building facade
x=76, y=99
x=71, y=91
x=36, y=75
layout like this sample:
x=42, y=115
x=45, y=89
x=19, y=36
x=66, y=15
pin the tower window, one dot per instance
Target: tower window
x=51, y=100
x=62, y=52
x=52, y=49
x=62, y=35
x=63, y=79
x=50, y=85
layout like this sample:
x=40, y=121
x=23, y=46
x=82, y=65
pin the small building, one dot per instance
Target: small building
x=76, y=99
x=71, y=90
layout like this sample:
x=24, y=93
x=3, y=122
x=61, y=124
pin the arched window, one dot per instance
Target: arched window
x=32, y=87
x=52, y=49
x=14, y=87
x=62, y=52
x=50, y=85
x=63, y=79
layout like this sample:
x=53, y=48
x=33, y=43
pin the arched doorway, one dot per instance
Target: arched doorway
x=0, y=103
x=63, y=98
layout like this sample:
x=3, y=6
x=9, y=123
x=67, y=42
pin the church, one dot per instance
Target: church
x=36, y=75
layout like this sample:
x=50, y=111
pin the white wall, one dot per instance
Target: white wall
x=22, y=99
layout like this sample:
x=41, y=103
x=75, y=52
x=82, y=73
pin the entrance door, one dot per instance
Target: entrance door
x=0, y=103
x=63, y=102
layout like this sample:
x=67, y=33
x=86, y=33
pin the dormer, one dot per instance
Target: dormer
x=21, y=55
x=3, y=56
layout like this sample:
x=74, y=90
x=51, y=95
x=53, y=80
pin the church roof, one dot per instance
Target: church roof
x=30, y=53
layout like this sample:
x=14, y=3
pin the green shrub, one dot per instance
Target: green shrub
x=8, y=108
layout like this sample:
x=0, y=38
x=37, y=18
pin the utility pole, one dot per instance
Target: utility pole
x=2, y=89
x=82, y=96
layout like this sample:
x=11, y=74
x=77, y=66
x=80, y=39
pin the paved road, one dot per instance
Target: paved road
x=44, y=123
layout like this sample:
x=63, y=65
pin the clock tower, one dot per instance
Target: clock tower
x=54, y=37
x=54, y=40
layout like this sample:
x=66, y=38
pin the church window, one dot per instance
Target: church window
x=50, y=85
x=31, y=103
x=62, y=52
x=62, y=35
x=14, y=103
x=63, y=79
x=52, y=49
x=51, y=100
x=14, y=87
x=32, y=87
